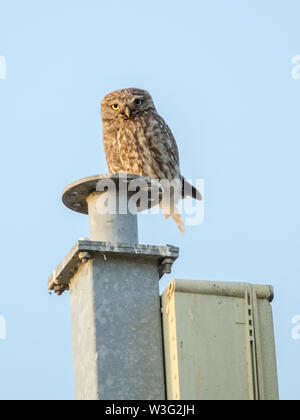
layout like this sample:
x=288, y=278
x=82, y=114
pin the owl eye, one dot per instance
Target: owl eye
x=115, y=107
x=138, y=102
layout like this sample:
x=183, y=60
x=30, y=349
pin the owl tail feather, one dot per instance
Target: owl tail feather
x=179, y=222
x=189, y=190
x=176, y=217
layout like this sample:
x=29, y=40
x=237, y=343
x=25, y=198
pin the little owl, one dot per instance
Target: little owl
x=138, y=141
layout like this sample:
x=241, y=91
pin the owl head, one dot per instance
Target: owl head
x=126, y=104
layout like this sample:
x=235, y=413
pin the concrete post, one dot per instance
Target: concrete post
x=115, y=304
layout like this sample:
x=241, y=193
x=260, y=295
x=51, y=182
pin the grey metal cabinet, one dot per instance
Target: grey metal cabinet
x=219, y=341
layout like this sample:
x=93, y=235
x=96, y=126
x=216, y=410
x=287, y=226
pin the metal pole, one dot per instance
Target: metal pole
x=111, y=227
x=115, y=303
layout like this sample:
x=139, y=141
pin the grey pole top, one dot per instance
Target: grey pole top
x=106, y=199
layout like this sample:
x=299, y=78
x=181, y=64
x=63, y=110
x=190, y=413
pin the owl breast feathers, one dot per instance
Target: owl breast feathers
x=138, y=141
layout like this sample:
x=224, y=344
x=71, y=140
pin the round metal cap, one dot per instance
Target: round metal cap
x=75, y=195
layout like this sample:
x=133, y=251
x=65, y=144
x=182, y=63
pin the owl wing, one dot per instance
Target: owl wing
x=167, y=146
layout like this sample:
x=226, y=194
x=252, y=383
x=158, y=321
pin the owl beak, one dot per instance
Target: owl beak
x=127, y=112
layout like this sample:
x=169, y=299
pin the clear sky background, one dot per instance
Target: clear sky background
x=220, y=73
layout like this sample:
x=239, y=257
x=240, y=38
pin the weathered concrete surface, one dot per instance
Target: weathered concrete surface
x=116, y=329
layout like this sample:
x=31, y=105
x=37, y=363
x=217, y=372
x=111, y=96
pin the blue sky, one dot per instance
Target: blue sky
x=220, y=73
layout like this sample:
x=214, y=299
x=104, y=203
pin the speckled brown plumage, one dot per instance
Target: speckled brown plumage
x=138, y=141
